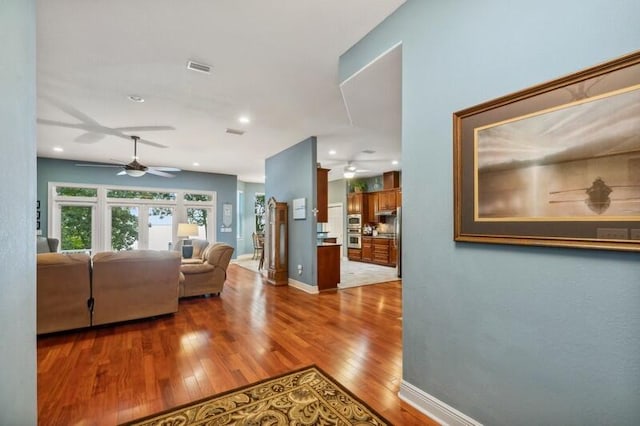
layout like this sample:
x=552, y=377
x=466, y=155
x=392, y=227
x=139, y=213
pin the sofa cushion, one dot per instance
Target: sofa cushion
x=134, y=284
x=201, y=268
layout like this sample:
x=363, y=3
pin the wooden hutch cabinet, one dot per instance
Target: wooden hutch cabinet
x=278, y=244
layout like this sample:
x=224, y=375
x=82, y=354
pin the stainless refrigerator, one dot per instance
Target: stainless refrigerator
x=398, y=232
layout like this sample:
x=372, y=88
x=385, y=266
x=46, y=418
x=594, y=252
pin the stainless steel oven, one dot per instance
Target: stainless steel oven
x=354, y=221
x=354, y=239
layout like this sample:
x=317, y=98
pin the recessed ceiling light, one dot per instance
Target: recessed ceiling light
x=57, y=149
x=332, y=152
x=196, y=164
x=394, y=162
x=135, y=98
x=244, y=119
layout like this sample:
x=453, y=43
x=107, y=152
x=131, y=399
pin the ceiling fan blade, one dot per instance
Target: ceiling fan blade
x=165, y=169
x=97, y=165
x=89, y=137
x=80, y=126
x=143, y=128
x=72, y=112
x=159, y=173
x=113, y=160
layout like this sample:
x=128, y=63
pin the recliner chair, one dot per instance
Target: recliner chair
x=207, y=277
x=46, y=244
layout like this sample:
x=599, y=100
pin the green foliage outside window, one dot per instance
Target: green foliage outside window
x=76, y=228
x=260, y=213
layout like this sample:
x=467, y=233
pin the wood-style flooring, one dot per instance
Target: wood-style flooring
x=118, y=373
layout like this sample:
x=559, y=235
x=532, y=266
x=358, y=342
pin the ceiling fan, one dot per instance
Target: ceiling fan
x=94, y=131
x=350, y=168
x=136, y=169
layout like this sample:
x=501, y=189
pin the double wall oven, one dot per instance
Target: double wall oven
x=354, y=231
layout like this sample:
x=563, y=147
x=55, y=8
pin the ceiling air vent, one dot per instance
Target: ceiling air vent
x=195, y=66
x=235, y=131
x=368, y=151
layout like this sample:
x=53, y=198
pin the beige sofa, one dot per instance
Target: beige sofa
x=120, y=286
x=134, y=284
x=63, y=292
x=209, y=276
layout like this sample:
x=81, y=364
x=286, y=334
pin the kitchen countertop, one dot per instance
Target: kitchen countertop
x=382, y=237
x=328, y=244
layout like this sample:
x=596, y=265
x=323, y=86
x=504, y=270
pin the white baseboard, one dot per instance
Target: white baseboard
x=444, y=414
x=311, y=289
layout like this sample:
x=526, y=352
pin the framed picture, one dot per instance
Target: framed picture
x=554, y=165
x=299, y=209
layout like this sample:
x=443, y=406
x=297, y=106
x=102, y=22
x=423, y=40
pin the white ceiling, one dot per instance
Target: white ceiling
x=275, y=61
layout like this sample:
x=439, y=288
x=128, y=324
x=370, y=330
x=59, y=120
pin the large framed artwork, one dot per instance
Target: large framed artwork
x=554, y=165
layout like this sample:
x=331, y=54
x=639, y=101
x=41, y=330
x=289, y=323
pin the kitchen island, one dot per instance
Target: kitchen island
x=328, y=266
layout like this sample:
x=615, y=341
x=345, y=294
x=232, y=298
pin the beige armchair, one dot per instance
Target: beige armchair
x=63, y=292
x=46, y=244
x=209, y=276
x=199, y=247
x=134, y=284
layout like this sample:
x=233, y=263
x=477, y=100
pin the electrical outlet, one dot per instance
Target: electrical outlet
x=635, y=234
x=299, y=269
x=613, y=233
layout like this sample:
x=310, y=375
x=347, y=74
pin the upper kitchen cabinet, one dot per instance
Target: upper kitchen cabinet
x=391, y=180
x=323, y=195
x=387, y=200
x=356, y=203
x=372, y=207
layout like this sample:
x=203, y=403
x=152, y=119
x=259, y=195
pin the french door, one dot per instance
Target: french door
x=139, y=226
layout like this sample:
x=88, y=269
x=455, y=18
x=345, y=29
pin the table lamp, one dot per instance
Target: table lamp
x=187, y=230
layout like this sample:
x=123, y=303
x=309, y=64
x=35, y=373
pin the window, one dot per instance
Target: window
x=99, y=218
x=259, y=211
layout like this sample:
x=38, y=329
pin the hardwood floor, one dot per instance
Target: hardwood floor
x=118, y=373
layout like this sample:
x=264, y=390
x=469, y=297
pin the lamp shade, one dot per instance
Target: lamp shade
x=187, y=230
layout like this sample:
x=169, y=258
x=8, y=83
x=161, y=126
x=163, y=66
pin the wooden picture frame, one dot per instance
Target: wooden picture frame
x=557, y=164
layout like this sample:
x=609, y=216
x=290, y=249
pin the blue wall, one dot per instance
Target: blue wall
x=508, y=335
x=18, y=396
x=54, y=170
x=292, y=174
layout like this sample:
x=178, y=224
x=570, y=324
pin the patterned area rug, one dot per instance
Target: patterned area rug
x=304, y=397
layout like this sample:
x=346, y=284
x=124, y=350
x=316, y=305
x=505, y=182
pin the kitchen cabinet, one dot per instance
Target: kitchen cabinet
x=355, y=203
x=328, y=266
x=387, y=200
x=393, y=252
x=398, y=198
x=354, y=254
x=367, y=249
x=381, y=251
x=372, y=207
x=391, y=180
x=322, y=195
